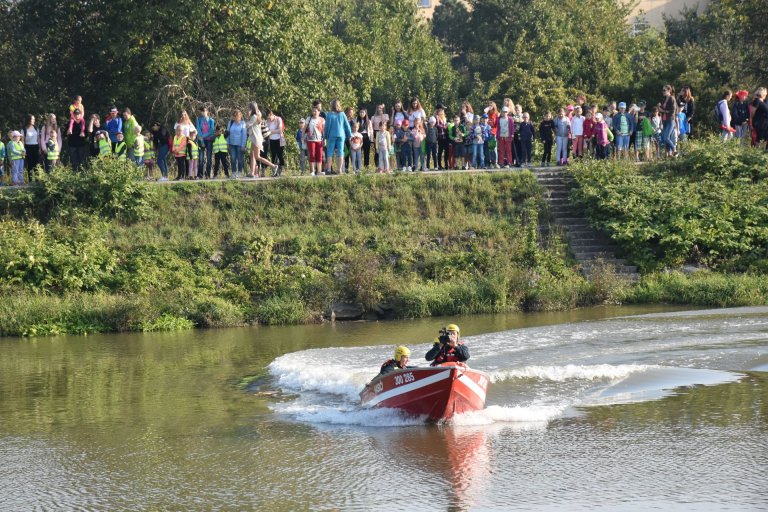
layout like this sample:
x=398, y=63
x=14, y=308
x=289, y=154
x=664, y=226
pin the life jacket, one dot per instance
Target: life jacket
x=389, y=362
x=220, y=144
x=447, y=355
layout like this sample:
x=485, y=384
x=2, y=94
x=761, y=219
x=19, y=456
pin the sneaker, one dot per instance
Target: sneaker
x=163, y=179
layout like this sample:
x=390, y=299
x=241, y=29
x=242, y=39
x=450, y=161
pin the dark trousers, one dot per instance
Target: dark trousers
x=206, y=150
x=443, y=146
x=32, y=159
x=78, y=156
x=518, y=156
x=277, y=151
x=527, y=148
x=181, y=164
x=366, y=149
x=547, y=156
x=432, y=152
x=221, y=158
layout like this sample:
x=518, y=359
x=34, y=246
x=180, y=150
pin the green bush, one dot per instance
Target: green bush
x=701, y=288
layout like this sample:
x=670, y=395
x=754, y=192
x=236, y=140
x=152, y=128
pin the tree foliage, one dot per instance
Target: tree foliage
x=161, y=57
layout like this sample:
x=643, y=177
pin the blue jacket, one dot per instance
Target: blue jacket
x=237, y=134
x=617, y=123
x=199, y=126
x=114, y=126
x=336, y=125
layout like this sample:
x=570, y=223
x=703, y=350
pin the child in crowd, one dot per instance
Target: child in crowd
x=301, y=143
x=431, y=138
x=220, y=152
x=623, y=125
x=179, y=149
x=77, y=104
x=356, y=148
x=16, y=154
x=547, y=136
x=120, y=150
x=487, y=137
x=149, y=155
x=478, y=156
x=643, y=134
x=600, y=131
x=589, y=124
x=740, y=119
x=193, y=154
x=419, y=134
x=105, y=145
x=562, y=134
x=658, y=128
x=577, y=132
x=526, y=140
x=400, y=139
x=457, y=143
x=467, y=133
x=383, y=144
x=408, y=146
x=505, y=132
x=52, y=151
x=2, y=160
x=138, y=146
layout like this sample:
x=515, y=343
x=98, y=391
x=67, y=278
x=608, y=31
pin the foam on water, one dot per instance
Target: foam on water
x=570, y=372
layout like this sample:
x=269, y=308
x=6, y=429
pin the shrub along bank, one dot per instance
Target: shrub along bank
x=105, y=251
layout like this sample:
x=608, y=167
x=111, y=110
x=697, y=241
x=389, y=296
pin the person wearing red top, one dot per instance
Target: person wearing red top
x=589, y=132
x=492, y=156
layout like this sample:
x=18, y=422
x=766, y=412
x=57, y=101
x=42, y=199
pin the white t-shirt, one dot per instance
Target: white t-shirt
x=184, y=128
x=315, y=129
x=31, y=136
x=504, y=127
x=276, y=128
x=577, y=126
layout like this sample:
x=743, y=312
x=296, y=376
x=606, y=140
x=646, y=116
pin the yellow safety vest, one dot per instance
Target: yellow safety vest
x=149, y=152
x=17, y=150
x=220, y=144
x=120, y=151
x=105, y=148
x=53, y=154
x=179, y=146
x=193, y=150
x=138, y=147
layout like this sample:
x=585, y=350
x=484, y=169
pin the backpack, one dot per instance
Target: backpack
x=718, y=114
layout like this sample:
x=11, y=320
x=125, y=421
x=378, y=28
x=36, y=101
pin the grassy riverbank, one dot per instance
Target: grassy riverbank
x=102, y=251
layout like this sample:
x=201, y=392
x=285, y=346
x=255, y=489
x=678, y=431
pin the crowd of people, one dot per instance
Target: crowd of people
x=403, y=138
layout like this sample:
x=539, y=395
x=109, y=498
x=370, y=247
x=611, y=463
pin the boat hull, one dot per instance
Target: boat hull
x=437, y=392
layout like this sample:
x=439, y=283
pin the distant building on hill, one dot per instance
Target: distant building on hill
x=647, y=13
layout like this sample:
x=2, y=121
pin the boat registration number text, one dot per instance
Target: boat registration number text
x=405, y=378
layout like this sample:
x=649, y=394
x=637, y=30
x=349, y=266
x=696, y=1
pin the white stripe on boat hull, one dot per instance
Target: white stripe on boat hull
x=409, y=387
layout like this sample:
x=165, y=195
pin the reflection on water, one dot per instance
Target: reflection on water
x=632, y=413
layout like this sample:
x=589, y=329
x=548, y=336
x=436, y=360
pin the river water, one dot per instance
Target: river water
x=597, y=409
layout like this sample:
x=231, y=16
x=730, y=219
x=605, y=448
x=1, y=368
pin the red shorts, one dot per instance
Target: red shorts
x=315, y=150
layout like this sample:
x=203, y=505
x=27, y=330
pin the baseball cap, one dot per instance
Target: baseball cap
x=622, y=105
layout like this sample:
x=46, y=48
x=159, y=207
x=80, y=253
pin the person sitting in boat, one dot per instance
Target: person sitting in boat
x=399, y=362
x=448, y=348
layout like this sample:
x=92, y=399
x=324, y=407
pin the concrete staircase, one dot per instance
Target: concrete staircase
x=587, y=244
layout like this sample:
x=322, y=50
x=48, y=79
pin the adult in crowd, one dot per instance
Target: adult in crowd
x=398, y=115
x=668, y=111
x=759, y=116
x=379, y=117
x=313, y=134
x=129, y=132
x=93, y=128
x=237, y=138
x=724, y=112
x=78, y=142
x=205, y=136
x=276, y=127
x=443, y=139
x=114, y=125
x=740, y=116
x=31, y=137
x=162, y=140
x=255, y=135
x=186, y=124
x=337, y=130
x=688, y=107
x=416, y=111
x=366, y=130
x=51, y=126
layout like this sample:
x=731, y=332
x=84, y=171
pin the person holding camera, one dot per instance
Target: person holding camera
x=448, y=348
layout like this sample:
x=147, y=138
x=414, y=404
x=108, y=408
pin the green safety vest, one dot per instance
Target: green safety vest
x=220, y=144
x=138, y=148
x=149, y=153
x=105, y=148
x=120, y=151
x=53, y=154
x=193, y=150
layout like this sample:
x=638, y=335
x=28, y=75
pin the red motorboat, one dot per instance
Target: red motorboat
x=437, y=392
